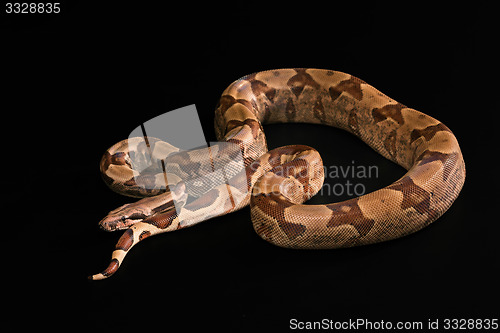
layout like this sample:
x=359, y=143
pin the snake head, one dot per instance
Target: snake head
x=127, y=215
x=124, y=216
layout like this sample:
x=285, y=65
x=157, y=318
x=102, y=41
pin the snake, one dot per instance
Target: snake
x=277, y=183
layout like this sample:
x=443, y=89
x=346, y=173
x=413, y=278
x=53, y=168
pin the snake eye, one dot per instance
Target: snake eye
x=123, y=219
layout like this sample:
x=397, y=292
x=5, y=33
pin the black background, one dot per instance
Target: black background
x=75, y=83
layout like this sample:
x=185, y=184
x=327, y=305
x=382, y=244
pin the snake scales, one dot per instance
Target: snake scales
x=279, y=181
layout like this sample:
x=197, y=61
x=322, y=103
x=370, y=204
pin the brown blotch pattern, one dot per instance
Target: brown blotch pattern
x=144, y=234
x=162, y=207
x=349, y=213
x=351, y=86
x=252, y=123
x=391, y=111
x=162, y=220
x=266, y=114
x=259, y=87
x=291, y=230
x=118, y=158
x=264, y=229
x=226, y=101
x=448, y=160
x=390, y=143
x=126, y=240
x=276, y=210
x=353, y=121
x=185, y=162
x=413, y=195
x=429, y=156
x=319, y=110
x=290, y=110
x=298, y=82
x=112, y=267
x=428, y=132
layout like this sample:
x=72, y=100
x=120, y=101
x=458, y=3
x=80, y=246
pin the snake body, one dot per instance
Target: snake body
x=280, y=180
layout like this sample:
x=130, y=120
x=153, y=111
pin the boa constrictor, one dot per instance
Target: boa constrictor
x=279, y=181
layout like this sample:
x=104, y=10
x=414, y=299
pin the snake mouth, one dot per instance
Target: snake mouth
x=120, y=222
